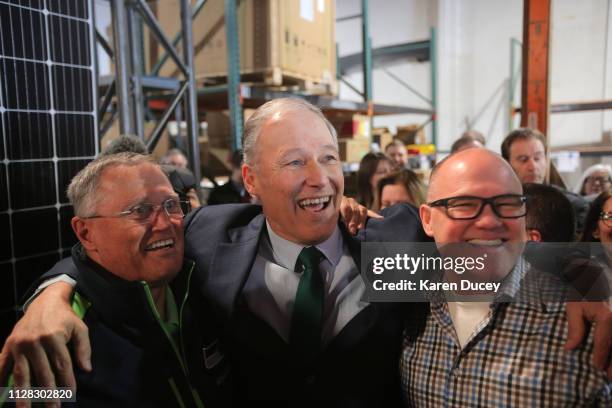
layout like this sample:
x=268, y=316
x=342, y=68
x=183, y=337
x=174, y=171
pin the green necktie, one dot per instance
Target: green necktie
x=307, y=318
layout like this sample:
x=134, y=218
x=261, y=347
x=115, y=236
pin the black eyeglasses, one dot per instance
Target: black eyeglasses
x=606, y=217
x=470, y=207
x=144, y=212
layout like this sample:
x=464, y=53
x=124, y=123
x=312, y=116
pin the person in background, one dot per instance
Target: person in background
x=598, y=224
x=469, y=139
x=550, y=215
x=233, y=191
x=125, y=143
x=175, y=157
x=525, y=150
x=396, y=151
x=474, y=135
x=598, y=228
x=400, y=187
x=594, y=180
x=184, y=184
x=373, y=167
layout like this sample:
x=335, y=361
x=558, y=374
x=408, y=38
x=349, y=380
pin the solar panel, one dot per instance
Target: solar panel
x=48, y=132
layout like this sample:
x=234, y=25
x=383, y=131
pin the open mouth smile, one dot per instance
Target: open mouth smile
x=315, y=204
x=161, y=244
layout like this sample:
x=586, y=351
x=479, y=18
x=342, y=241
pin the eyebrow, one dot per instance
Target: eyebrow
x=299, y=150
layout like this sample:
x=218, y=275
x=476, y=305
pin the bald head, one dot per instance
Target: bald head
x=483, y=208
x=467, y=170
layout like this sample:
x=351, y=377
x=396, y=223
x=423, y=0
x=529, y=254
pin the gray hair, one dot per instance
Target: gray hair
x=84, y=186
x=253, y=125
x=579, y=187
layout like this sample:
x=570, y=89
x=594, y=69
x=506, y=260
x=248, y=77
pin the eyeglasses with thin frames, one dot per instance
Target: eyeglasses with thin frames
x=603, y=181
x=470, y=207
x=144, y=212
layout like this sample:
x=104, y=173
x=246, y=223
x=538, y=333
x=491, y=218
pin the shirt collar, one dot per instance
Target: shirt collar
x=286, y=253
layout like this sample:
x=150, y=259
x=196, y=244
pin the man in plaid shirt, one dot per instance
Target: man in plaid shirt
x=492, y=353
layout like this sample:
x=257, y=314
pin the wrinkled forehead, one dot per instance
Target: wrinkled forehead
x=527, y=144
x=294, y=129
x=136, y=180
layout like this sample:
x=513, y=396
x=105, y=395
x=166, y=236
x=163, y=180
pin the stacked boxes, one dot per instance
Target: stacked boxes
x=281, y=41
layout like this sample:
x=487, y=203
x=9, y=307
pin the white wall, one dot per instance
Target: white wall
x=391, y=22
x=577, y=68
x=474, y=62
x=103, y=22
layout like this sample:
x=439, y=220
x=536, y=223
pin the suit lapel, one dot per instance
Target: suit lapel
x=362, y=323
x=232, y=262
x=353, y=244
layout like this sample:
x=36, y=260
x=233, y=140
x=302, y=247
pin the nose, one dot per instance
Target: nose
x=531, y=164
x=161, y=219
x=488, y=219
x=315, y=174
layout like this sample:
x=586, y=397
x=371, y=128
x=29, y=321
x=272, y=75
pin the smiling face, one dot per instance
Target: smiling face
x=397, y=153
x=597, y=182
x=603, y=232
x=479, y=173
x=528, y=159
x=152, y=251
x=297, y=176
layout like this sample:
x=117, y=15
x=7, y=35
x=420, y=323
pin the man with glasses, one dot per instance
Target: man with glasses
x=486, y=352
x=129, y=223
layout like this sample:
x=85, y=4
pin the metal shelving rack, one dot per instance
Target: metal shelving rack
x=235, y=96
x=131, y=84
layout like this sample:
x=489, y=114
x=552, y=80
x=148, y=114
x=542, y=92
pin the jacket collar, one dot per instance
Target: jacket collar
x=233, y=260
x=120, y=303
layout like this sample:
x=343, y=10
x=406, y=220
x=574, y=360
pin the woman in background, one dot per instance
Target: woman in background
x=372, y=168
x=598, y=228
x=594, y=180
x=401, y=187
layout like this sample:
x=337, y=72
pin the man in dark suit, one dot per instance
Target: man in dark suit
x=254, y=277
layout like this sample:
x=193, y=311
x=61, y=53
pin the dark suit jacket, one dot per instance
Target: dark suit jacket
x=228, y=193
x=360, y=365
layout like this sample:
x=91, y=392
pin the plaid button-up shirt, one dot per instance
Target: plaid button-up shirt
x=515, y=358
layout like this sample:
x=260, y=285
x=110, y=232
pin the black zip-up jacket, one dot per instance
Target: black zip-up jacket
x=134, y=361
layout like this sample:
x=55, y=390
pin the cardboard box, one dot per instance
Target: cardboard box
x=351, y=125
x=219, y=129
x=277, y=38
x=382, y=137
x=352, y=150
x=410, y=134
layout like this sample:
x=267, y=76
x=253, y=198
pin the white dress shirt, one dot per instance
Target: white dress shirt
x=271, y=287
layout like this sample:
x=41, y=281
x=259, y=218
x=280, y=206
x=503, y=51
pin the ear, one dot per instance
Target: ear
x=596, y=233
x=534, y=235
x=83, y=232
x=249, y=178
x=425, y=213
